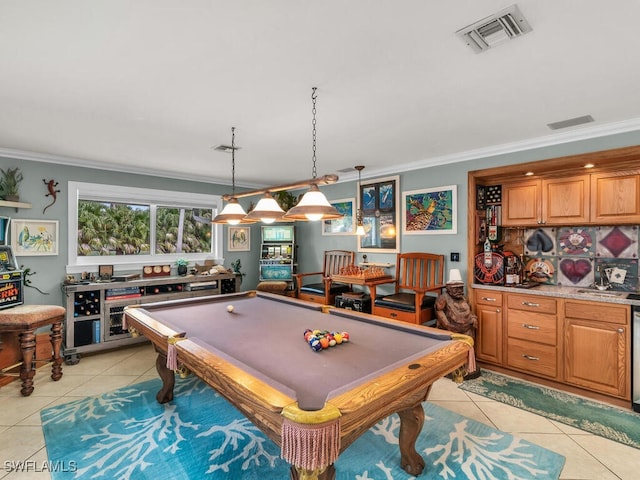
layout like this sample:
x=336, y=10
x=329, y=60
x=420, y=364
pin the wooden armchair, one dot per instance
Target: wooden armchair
x=325, y=291
x=417, y=274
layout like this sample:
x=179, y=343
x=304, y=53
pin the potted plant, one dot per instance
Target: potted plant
x=182, y=266
x=9, y=184
x=235, y=268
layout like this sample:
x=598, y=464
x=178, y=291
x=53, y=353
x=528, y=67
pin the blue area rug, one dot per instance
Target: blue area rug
x=126, y=434
x=595, y=417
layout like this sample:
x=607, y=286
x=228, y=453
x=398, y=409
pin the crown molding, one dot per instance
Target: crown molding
x=558, y=138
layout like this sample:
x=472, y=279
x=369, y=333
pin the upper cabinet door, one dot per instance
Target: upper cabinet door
x=521, y=203
x=565, y=201
x=615, y=198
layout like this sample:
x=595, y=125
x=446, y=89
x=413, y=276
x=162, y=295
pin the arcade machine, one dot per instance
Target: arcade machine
x=11, y=277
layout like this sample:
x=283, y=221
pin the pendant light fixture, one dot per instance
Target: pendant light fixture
x=359, y=225
x=313, y=205
x=267, y=210
x=232, y=213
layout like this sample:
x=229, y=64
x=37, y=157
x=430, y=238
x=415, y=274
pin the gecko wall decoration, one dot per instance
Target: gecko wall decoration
x=51, y=187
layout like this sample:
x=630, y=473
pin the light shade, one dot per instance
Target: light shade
x=232, y=214
x=267, y=210
x=360, y=230
x=313, y=206
x=455, y=276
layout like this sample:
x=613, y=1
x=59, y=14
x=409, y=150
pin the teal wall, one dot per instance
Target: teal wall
x=311, y=243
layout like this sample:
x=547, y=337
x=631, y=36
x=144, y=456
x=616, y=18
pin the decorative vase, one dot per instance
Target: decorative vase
x=182, y=270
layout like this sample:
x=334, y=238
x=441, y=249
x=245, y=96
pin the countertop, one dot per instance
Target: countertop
x=582, y=293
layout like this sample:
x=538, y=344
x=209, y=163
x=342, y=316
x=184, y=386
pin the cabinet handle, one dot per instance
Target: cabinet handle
x=530, y=357
x=530, y=304
x=531, y=327
x=621, y=330
x=497, y=310
x=488, y=299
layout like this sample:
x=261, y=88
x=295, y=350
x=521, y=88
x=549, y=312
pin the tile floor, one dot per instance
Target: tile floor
x=587, y=456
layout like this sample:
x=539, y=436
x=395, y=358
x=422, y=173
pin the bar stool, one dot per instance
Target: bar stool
x=25, y=319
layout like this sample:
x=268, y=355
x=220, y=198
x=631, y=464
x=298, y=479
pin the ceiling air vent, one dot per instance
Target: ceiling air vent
x=571, y=122
x=504, y=25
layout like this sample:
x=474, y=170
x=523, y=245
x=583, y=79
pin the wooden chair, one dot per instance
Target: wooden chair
x=417, y=274
x=325, y=291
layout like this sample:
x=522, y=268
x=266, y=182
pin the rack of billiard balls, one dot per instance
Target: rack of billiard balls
x=321, y=339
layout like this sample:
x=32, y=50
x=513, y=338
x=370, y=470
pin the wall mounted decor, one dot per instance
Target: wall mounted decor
x=239, y=239
x=430, y=211
x=379, y=204
x=52, y=192
x=344, y=225
x=34, y=237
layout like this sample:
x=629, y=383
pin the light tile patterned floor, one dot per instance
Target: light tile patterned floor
x=588, y=456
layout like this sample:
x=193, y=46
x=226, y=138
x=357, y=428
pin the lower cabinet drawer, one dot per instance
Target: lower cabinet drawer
x=532, y=327
x=532, y=357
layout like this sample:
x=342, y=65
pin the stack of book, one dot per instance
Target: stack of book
x=122, y=293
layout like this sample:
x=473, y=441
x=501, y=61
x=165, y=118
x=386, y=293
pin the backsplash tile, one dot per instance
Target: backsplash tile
x=576, y=256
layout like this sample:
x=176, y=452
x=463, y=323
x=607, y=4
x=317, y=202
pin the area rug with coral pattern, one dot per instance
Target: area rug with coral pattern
x=598, y=418
x=126, y=434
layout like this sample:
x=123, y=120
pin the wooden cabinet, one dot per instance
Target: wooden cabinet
x=490, y=327
x=601, y=199
x=597, y=339
x=554, y=201
x=579, y=343
x=565, y=201
x=521, y=203
x=532, y=334
x=615, y=197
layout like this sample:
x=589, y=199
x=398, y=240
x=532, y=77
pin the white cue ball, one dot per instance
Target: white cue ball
x=229, y=308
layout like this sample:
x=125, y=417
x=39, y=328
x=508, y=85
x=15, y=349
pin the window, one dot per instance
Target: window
x=132, y=227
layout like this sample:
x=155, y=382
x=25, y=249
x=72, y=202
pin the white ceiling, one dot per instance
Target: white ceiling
x=152, y=85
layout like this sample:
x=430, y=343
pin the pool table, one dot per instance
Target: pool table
x=313, y=405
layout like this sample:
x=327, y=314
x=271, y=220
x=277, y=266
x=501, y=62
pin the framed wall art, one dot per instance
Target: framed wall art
x=345, y=225
x=380, y=213
x=239, y=239
x=4, y=230
x=34, y=237
x=430, y=211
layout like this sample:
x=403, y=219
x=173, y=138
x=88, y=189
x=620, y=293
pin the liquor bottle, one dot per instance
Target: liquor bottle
x=512, y=271
x=523, y=271
x=488, y=258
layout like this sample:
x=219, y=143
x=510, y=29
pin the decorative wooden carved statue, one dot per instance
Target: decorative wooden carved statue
x=454, y=313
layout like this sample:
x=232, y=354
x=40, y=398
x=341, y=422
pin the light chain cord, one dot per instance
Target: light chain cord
x=313, y=123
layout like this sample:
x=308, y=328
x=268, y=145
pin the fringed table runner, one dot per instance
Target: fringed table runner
x=310, y=439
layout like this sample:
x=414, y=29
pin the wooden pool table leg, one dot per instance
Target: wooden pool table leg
x=328, y=473
x=411, y=422
x=165, y=394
